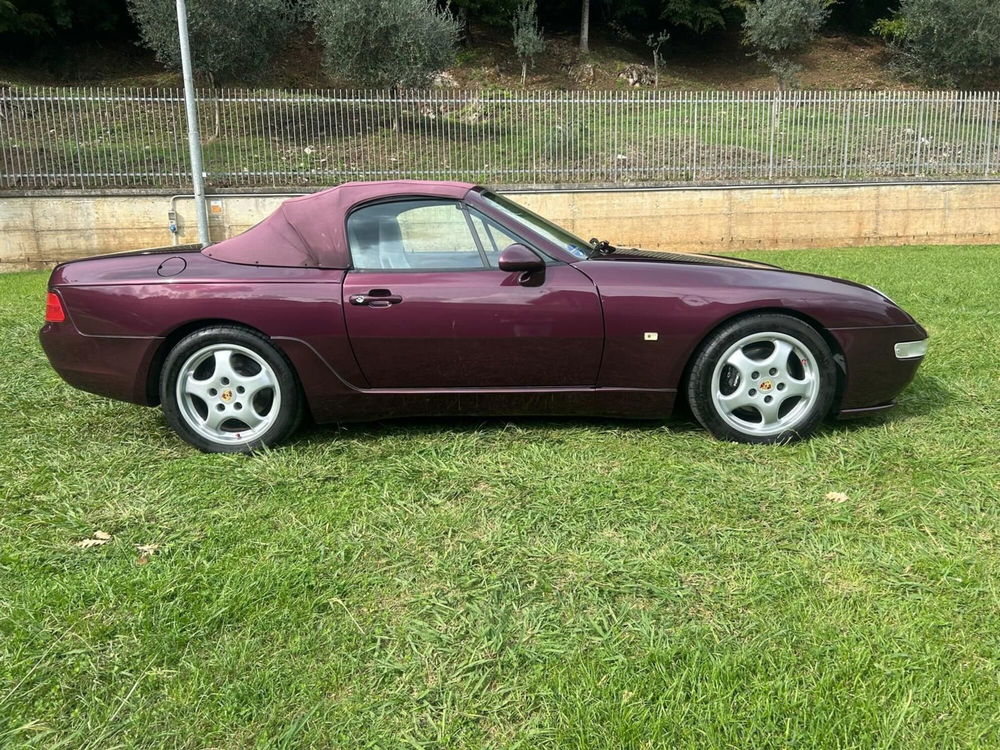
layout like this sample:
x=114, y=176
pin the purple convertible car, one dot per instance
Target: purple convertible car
x=389, y=299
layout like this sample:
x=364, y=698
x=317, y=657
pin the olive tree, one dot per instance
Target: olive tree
x=229, y=38
x=946, y=42
x=777, y=29
x=528, y=39
x=385, y=43
x=654, y=42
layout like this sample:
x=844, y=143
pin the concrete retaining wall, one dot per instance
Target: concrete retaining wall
x=37, y=231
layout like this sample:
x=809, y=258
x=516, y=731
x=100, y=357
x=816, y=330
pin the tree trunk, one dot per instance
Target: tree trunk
x=524, y=73
x=585, y=26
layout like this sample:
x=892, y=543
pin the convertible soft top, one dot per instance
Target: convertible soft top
x=311, y=231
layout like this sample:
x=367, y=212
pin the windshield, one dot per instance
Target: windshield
x=556, y=234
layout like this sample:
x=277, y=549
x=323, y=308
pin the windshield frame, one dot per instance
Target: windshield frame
x=562, y=239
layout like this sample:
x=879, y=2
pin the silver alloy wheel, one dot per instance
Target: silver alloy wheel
x=765, y=383
x=228, y=394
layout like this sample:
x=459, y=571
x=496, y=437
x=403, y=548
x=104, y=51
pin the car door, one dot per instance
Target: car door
x=427, y=308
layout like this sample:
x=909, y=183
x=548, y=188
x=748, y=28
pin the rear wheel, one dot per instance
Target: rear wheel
x=227, y=389
x=766, y=378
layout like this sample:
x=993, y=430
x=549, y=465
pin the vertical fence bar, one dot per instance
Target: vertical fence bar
x=241, y=106
x=885, y=152
x=45, y=119
x=97, y=101
x=170, y=161
x=11, y=144
x=43, y=125
x=770, y=150
x=91, y=134
x=952, y=137
x=977, y=132
x=164, y=153
x=847, y=135
x=943, y=142
x=281, y=145
x=660, y=121
x=36, y=153
x=34, y=140
x=7, y=179
x=121, y=114
x=250, y=112
x=893, y=129
x=232, y=123
x=695, y=113
x=991, y=113
x=962, y=125
x=918, y=168
x=102, y=104
x=117, y=114
x=13, y=171
x=375, y=167
x=81, y=154
x=158, y=157
x=79, y=127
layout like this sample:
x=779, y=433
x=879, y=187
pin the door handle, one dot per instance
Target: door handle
x=376, y=298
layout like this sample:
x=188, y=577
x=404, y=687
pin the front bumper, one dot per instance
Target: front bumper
x=874, y=374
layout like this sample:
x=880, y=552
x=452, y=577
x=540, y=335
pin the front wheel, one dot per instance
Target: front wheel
x=765, y=378
x=227, y=389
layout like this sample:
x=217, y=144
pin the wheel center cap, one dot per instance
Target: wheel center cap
x=766, y=385
x=226, y=395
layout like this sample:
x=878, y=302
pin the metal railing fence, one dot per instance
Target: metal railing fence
x=88, y=137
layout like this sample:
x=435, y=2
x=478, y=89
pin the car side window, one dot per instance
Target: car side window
x=492, y=236
x=430, y=235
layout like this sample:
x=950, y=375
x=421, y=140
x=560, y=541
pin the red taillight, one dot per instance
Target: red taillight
x=54, y=312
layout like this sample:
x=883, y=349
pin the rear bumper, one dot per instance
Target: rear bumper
x=875, y=376
x=112, y=366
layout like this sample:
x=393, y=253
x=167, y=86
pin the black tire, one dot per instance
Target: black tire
x=247, y=349
x=784, y=418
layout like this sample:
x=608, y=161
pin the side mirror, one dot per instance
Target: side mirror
x=517, y=257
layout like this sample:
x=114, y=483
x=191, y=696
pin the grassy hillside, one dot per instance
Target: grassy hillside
x=487, y=60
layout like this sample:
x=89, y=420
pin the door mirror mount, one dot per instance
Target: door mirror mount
x=518, y=257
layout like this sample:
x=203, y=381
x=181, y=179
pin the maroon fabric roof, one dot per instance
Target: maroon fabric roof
x=310, y=231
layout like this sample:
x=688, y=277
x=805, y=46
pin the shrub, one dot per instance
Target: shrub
x=946, y=42
x=229, y=38
x=777, y=29
x=528, y=39
x=385, y=43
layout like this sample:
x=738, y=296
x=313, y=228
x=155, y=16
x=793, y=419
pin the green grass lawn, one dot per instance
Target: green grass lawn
x=532, y=583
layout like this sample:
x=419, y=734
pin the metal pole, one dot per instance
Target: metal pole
x=194, y=134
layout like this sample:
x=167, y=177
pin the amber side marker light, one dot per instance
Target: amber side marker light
x=54, y=312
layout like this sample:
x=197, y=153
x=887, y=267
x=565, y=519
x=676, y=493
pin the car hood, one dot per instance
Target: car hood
x=633, y=254
x=835, y=302
x=626, y=254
